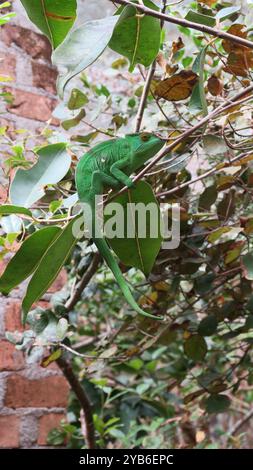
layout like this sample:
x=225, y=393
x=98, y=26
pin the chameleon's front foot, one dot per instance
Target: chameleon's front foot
x=131, y=184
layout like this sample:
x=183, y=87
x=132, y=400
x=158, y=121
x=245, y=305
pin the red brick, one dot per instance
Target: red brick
x=13, y=316
x=10, y=357
x=8, y=65
x=9, y=431
x=43, y=304
x=44, y=77
x=31, y=105
x=46, y=424
x=47, y=392
x=35, y=45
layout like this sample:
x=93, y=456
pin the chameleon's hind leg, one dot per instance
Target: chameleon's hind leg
x=116, y=171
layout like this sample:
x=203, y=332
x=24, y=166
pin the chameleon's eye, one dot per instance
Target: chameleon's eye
x=145, y=136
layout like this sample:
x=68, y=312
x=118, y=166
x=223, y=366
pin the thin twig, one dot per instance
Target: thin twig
x=235, y=100
x=97, y=129
x=158, y=104
x=210, y=172
x=83, y=282
x=189, y=24
x=85, y=342
x=144, y=96
x=148, y=81
x=83, y=399
x=89, y=356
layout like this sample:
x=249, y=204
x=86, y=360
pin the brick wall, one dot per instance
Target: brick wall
x=26, y=58
x=32, y=399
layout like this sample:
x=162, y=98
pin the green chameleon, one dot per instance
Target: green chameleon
x=110, y=164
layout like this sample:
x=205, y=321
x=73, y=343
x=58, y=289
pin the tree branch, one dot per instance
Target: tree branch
x=66, y=367
x=187, y=24
x=70, y=304
x=83, y=399
x=241, y=423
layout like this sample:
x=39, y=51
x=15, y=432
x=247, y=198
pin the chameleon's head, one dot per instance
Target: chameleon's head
x=144, y=146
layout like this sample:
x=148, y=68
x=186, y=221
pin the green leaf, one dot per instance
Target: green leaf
x=11, y=224
x=208, y=325
x=217, y=403
x=232, y=255
x=51, y=358
x=217, y=234
x=195, y=348
x=136, y=36
x=81, y=48
x=25, y=261
x=49, y=267
x=225, y=13
x=70, y=201
x=198, y=97
x=35, y=355
x=6, y=18
x=208, y=197
x=11, y=237
x=56, y=437
x=195, y=101
x=107, y=353
x=204, y=283
x=85, y=139
x=55, y=205
x=138, y=251
x=5, y=5
x=49, y=333
x=136, y=364
x=206, y=379
x=196, y=17
x=53, y=17
x=28, y=185
x=77, y=99
x=9, y=209
x=249, y=304
x=214, y=145
x=69, y=123
x=247, y=263
x=249, y=323
x=62, y=328
x=142, y=388
x=226, y=208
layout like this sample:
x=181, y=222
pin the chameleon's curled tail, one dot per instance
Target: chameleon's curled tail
x=107, y=255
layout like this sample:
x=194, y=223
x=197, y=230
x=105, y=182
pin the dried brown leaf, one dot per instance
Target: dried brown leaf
x=214, y=85
x=178, y=87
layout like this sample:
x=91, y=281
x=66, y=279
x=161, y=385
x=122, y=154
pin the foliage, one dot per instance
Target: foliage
x=54, y=18
x=143, y=376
